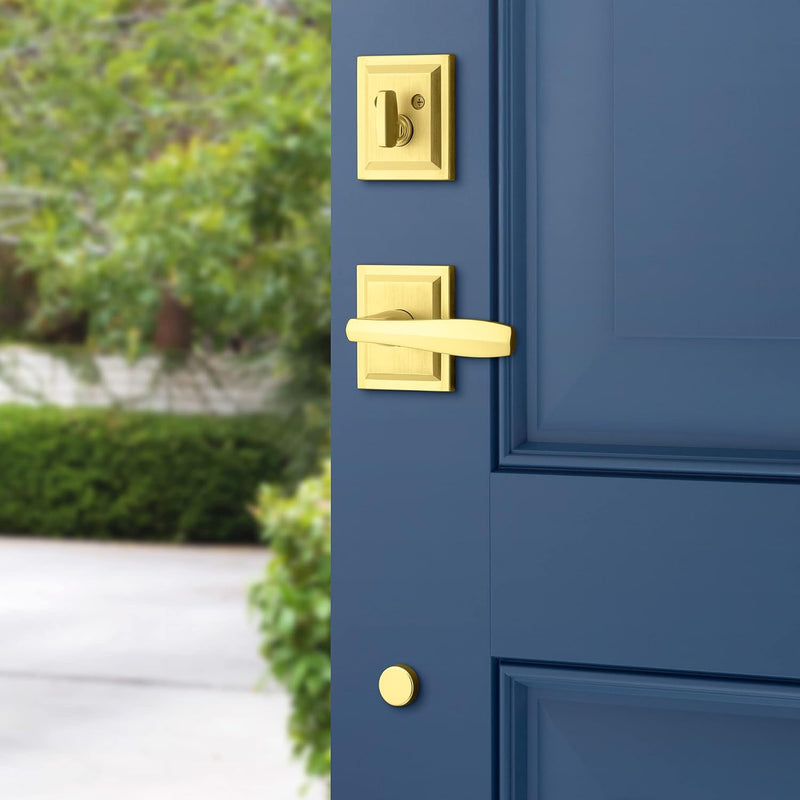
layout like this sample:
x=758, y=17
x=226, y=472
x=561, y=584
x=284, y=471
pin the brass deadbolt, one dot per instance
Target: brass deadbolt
x=399, y=685
x=406, y=117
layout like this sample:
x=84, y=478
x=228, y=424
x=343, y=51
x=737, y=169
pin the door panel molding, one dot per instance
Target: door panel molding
x=581, y=414
x=568, y=733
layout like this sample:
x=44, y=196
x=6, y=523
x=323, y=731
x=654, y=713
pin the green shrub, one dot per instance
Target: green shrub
x=293, y=602
x=100, y=474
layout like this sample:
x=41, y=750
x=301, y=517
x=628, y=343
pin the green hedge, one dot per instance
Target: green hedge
x=99, y=474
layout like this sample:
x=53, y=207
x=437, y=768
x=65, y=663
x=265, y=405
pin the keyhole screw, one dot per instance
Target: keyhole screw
x=418, y=101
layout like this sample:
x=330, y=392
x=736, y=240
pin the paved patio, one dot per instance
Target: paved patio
x=130, y=672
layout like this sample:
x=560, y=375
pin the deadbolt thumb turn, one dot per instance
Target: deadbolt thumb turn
x=393, y=129
x=406, y=334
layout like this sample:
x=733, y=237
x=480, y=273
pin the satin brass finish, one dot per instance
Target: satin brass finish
x=472, y=338
x=392, y=128
x=406, y=333
x=424, y=292
x=419, y=145
x=399, y=685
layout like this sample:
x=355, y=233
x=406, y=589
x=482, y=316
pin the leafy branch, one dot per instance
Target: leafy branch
x=168, y=145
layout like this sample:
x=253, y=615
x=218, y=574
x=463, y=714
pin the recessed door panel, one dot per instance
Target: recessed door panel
x=663, y=245
x=706, y=169
x=569, y=734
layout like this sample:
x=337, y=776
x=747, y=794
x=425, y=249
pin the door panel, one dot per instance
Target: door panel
x=698, y=576
x=706, y=174
x=570, y=734
x=662, y=294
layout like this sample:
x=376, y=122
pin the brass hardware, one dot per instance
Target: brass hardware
x=393, y=129
x=399, y=685
x=472, y=338
x=406, y=117
x=425, y=293
x=406, y=334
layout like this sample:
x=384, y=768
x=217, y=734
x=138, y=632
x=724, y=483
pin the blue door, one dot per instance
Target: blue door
x=589, y=552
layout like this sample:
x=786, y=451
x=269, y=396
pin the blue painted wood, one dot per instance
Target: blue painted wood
x=641, y=124
x=694, y=576
x=569, y=734
x=410, y=474
x=615, y=495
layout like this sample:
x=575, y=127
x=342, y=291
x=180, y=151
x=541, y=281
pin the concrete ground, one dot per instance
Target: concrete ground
x=130, y=672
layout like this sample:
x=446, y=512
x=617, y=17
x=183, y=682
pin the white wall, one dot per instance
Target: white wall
x=215, y=384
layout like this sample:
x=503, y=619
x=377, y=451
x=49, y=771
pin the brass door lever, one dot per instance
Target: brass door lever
x=406, y=332
x=473, y=338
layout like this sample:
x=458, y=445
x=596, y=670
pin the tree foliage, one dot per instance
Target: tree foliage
x=168, y=145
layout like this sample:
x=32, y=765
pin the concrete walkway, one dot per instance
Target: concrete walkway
x=130, y=672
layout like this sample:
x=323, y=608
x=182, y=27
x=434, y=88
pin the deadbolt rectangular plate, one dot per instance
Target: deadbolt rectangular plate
x=426, y=293
x=426, y=95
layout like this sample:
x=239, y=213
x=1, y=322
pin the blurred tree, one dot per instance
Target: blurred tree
x=16, y=293
x=170, y=154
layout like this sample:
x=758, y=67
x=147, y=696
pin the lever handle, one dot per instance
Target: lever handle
x=393, y=129
x=473, y=338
